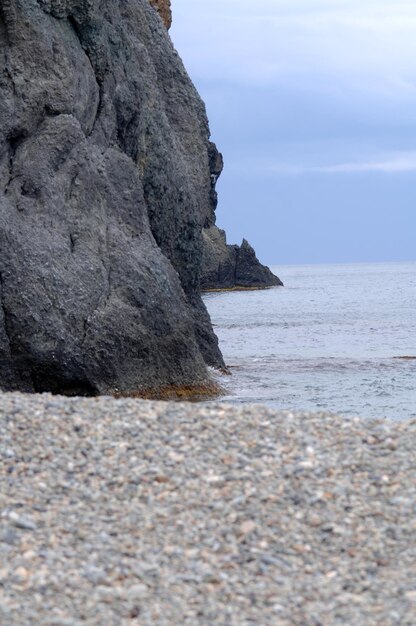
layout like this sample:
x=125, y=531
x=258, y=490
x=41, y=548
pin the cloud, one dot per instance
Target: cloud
x=366, y=46
x=283, y=75
x=404, y=163
x=392, y=164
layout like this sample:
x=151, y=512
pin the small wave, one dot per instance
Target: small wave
x=308, y=323
x=324, y=364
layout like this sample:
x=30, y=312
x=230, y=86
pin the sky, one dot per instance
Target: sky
x=313, y=105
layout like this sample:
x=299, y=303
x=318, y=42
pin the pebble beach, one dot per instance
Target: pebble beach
x=122, y=512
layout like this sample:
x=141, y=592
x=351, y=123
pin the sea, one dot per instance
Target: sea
x=338, y=338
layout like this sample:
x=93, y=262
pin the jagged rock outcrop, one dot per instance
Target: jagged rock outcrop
x=105, y=186
x=231, y=266
x=228, y=266
x=164, y=8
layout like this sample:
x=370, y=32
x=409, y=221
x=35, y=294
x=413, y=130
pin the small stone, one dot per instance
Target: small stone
x=301, y=548
x=23, y=523
x=29, y=555
x=247, y=528
x=411, y=595
x=170, y=550
x=306, y=465
x=314, y=520
x=8, y=453
x=213, y=479
x=211, y=579
x=95, y=575
x=161, y=479
x=22, y=574
x=137, y=592
x=9, y=537
x=175, y=457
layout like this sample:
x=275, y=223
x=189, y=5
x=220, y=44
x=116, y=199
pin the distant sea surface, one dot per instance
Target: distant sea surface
x=329, y=340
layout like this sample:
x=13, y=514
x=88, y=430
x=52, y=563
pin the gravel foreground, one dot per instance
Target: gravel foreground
x=134, y=513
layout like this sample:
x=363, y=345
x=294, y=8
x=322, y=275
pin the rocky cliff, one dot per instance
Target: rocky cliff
x=232, y=267
x=227, y=266
x=105, y=187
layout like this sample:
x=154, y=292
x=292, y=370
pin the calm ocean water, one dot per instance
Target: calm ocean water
x=328, y=340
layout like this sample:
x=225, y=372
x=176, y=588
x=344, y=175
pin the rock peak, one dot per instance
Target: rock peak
x=163, y=7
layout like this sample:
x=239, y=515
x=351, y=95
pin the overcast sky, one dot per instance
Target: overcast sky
x=313, y=104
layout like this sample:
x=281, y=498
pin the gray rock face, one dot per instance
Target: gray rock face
x=105, y=185
x=249, y=272
x=231, y=266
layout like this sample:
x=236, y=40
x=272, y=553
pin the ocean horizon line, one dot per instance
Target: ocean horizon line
x=322, y=263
